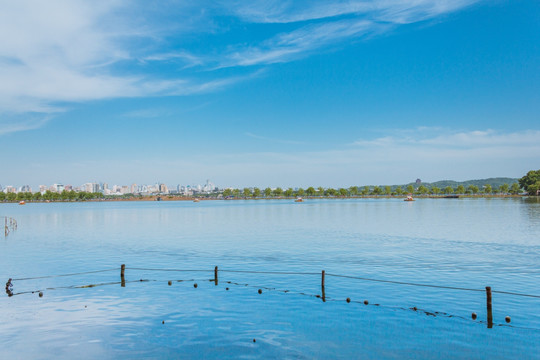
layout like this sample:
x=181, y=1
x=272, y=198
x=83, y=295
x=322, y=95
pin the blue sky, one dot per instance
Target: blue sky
x=268, y=93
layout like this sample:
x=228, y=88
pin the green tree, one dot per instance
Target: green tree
x=256, y=192
x=227, y=192
x=343, y=192
x=2, y=196
x=515, y=189
x=278, y=191
x=376, y=191
x=289, y=192
x=473, y=189
x=247, y=192
x=11, y=196
x=365, y=190
x=504, y=188
x=422, y=190
x=435, y=190
x=320, y=191
x=267, y=192
x=448, y=190
x=330, y=192
x=410, y=189
x=399, y=190
x=300, y=192
x=388, y=190
x=310, y=191
x=488, y=189
x=460, y=189
x=354, y=190
x=531, y=182
x=534, y=189
x=236, y=193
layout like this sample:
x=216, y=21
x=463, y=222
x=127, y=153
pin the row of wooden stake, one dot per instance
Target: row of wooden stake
x=323, y=294
x=10, y=224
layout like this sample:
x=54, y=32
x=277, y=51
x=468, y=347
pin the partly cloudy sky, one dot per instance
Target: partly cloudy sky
x=268, y=93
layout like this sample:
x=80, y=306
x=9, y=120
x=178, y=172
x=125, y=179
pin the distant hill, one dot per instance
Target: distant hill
x=494, y=182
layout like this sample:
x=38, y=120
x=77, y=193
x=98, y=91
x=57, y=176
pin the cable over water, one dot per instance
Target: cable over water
x=62, y=275
x=285, y=273
x=404, y=283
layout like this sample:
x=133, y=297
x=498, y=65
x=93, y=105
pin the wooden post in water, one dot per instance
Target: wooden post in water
x=489, y=308
x=122, y=278
x=323, y=294
x=215, y=276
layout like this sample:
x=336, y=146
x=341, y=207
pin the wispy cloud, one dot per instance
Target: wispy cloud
x=299, y=43
x=335, y=22
x=76, y=51
x=23, y=123
x=390, y=160
x=399, y=11
x=445, y=139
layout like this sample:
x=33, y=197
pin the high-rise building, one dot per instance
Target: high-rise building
x=58, y=188
x=87, y=187
x=163, y=189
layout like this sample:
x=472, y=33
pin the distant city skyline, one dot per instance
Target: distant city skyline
x=112, y=189
x=268, y=93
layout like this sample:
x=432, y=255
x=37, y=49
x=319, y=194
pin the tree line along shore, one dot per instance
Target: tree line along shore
x=527, y=185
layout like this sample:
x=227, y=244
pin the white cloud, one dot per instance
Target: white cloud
x=397, y=11
x=336, y=22
x=299, y=43
x=62, y=51
x=389, y=160
x=24, y=122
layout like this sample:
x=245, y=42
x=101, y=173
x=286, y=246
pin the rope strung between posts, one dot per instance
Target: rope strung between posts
x=174, y=270
x=325, y=299
x=62, y=275
x=405, y=283
x=288, y=273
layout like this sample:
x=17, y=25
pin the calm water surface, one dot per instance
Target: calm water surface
x=466, y=243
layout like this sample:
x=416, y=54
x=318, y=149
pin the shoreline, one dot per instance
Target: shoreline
x=183, y=198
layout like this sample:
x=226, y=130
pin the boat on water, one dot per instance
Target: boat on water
x=299, y=199
x=196, y=200
x=22, y=202
x=409, y=198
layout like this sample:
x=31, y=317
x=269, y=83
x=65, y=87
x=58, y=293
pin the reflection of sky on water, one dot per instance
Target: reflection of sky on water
x=469, y=243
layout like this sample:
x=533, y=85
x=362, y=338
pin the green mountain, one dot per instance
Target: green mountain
x=494, y=182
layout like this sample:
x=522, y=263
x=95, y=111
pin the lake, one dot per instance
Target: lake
x=279, y=247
